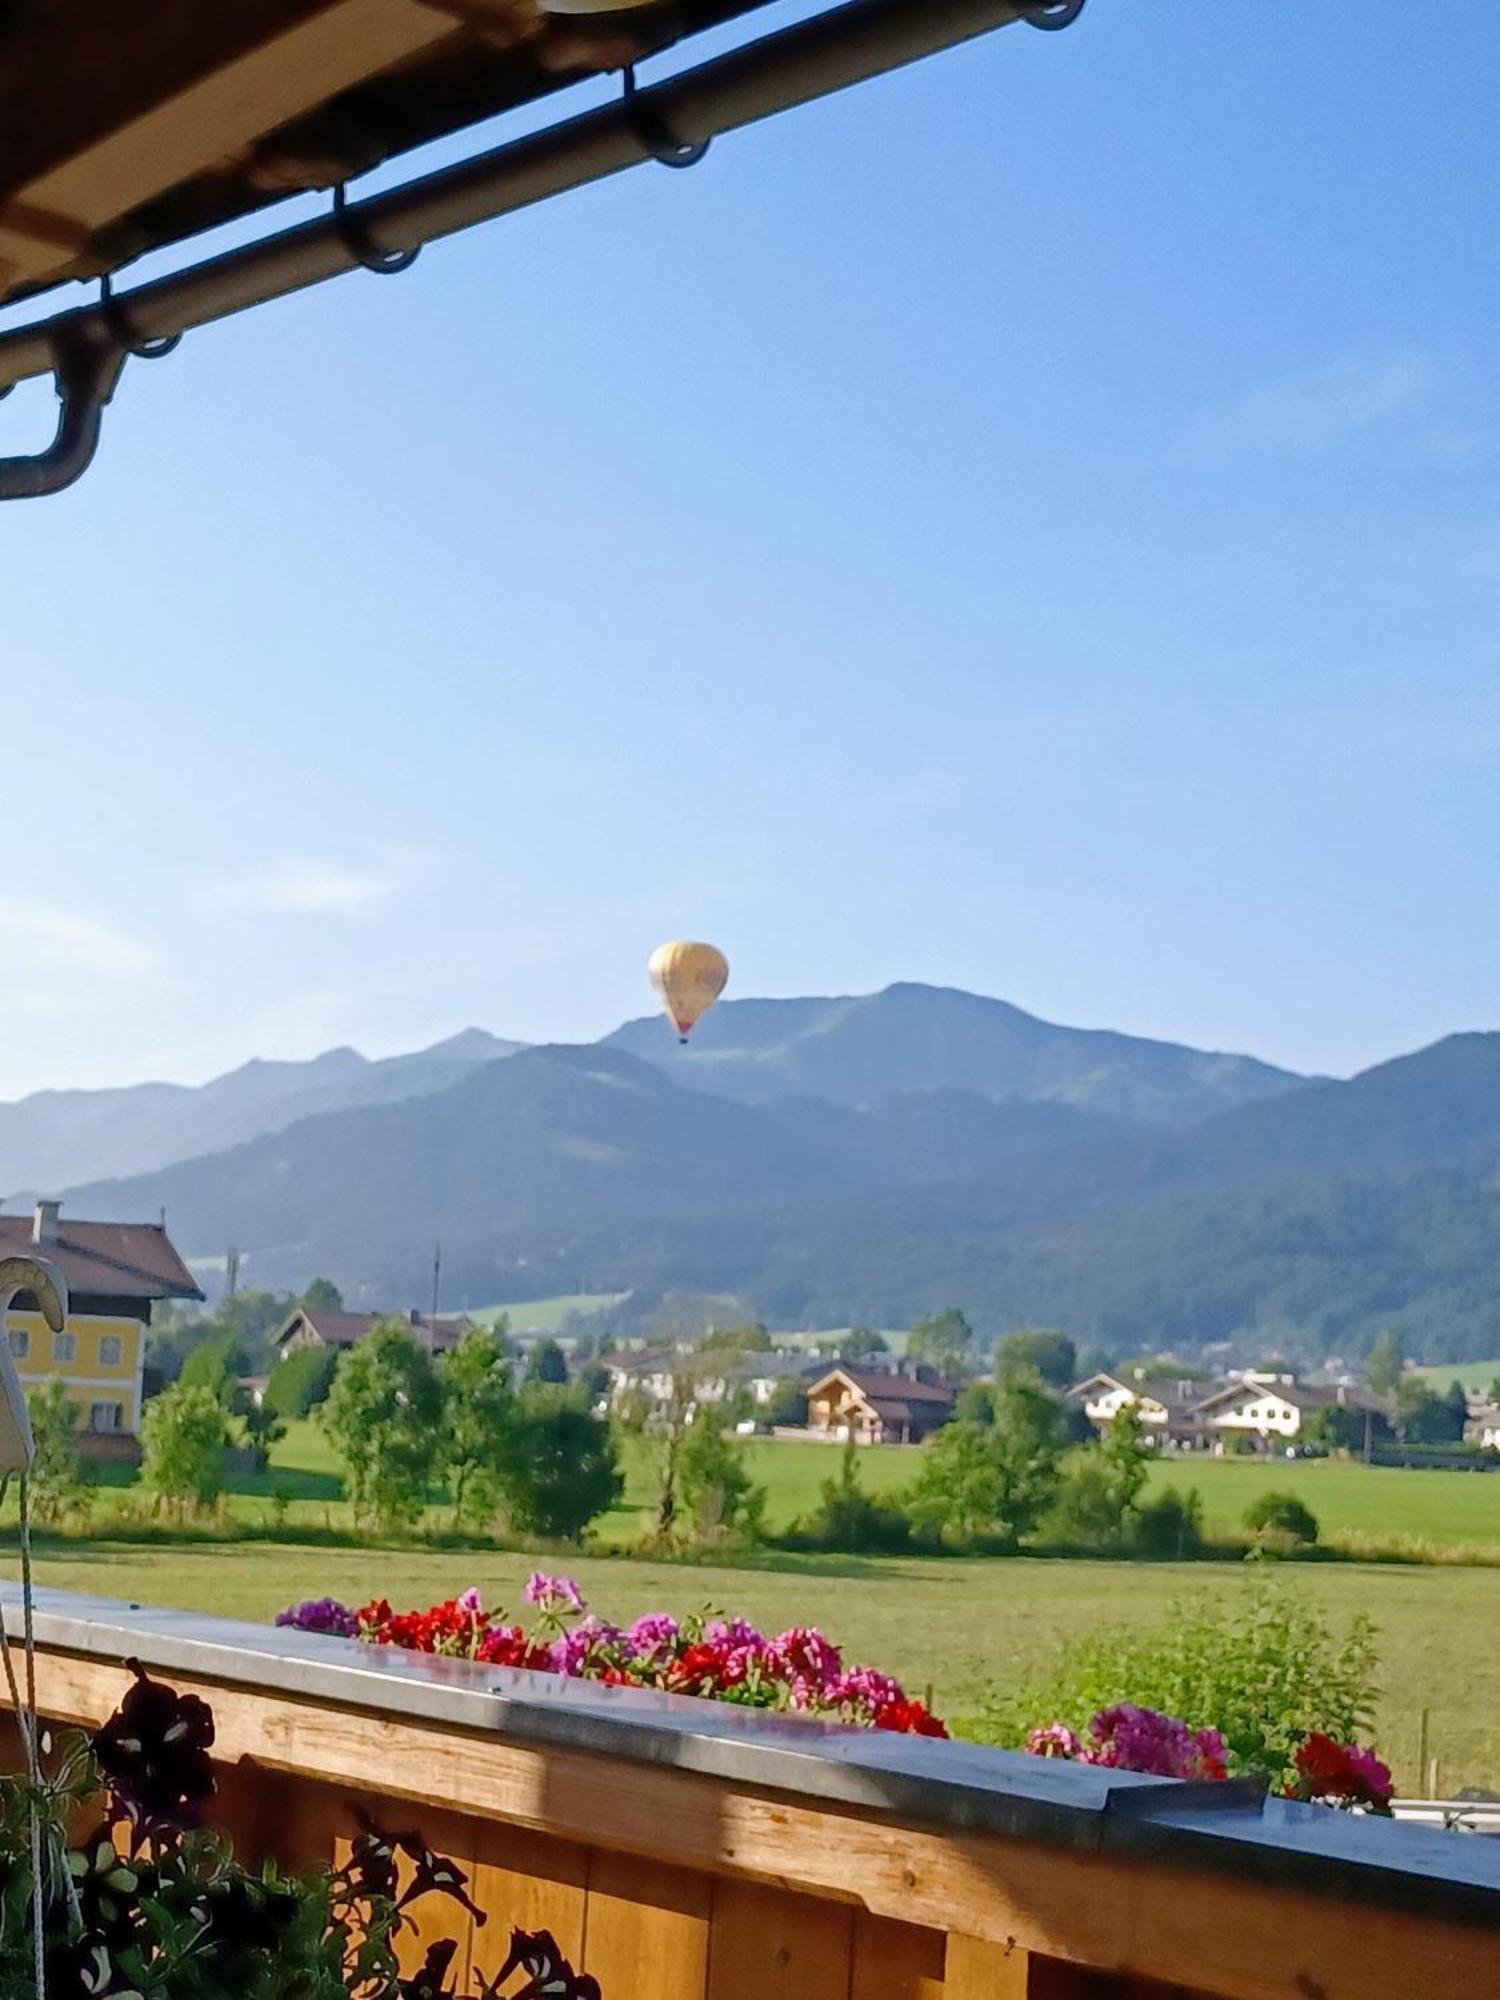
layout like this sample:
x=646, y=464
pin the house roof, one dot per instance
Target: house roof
x=1173, y=1392
x=889, y=1388
x=345, y=1329
x=1300, y=1395
x=123, y=1260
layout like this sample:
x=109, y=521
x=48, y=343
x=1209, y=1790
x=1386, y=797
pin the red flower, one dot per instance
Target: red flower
x=1342, y=1773
x=909, y=1718
x=508, y=1646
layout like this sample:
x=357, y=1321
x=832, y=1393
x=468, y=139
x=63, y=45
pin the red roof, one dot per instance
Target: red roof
x=123, y=1260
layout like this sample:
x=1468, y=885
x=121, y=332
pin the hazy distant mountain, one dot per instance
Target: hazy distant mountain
x=57, y=1137
x=912, y=1037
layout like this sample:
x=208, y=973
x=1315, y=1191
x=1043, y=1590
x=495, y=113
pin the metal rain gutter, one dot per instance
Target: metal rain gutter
x=672, y=121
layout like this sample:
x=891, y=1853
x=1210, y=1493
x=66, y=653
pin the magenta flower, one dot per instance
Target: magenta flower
x=733, y=1632
x=576, y=1650
x=554, y=1593
x=1139, y=1739
x=470, y=1600
x=804, y=1657
x=653, y=1638
x=321, y=1614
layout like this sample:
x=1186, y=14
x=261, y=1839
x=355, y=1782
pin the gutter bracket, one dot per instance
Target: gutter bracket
x=1052, y=14
x=85, y=369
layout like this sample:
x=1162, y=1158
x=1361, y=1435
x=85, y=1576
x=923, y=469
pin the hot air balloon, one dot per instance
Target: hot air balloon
x=688, y=979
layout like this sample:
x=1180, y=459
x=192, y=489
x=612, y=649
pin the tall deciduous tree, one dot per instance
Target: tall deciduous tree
x=384, y=1418
x=944, y=1340
x=57, y=1480
x=481, y=1419
x=1383, y=1368
x=1043, y=1348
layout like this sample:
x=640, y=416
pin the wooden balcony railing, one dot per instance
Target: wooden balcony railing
x=682, y=1850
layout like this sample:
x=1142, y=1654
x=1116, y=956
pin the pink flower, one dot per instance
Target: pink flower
x=733, y=1632
x=803, y=1656
x=1128, y=1738
x=470, y=1600
x=1055, y=1740
x=554, y=1593
x=864, y=1690
x=654, y=1637
x=575, y=1651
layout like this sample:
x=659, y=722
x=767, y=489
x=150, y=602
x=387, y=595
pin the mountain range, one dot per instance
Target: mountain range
x=838, y=1159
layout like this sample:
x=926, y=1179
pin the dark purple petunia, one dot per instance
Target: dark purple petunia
x=431, y=1983
x=321, y=1614
x=547, y=1973
x=153, y=1752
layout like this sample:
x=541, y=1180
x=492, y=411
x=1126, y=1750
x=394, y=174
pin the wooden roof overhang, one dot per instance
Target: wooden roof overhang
x=131, y=129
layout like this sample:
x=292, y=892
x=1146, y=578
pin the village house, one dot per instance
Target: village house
x=1482, y=1422
x=340, y=1330
x=658, y=1377
x=875, y=1407
x=115, y=1273
x=1270, y=1407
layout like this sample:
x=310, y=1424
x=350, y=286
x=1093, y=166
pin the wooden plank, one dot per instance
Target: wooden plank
x=525, y=1881
x=894, y=1961
x=777, y=1945
x=980, y=1969
x=646, y=1931
x=1210, y=1932
x=211, y=119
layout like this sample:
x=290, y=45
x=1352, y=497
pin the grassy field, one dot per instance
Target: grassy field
x=1448, y=1511
x=1473, y=1374
x=545, y=1316
x=956, y=1625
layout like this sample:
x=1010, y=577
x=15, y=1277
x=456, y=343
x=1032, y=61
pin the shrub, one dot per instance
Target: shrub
x=993, y=1480
x=846, y=1519
x=562, y=1471
x=184, y=1432
x=1282, y=1517
x=1262, y=1669
x=721, y=1496
x=58, y=1486
x=1169, y=1526
x=300, y=1381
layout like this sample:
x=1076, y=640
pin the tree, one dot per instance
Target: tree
x=751, y=1338
x=384, y=1418
x=547, y=1363
x=717, y=1488
x=262, y=1426
x=1282, y=1517
x=562, y=1471
x=1424, y=1417
x=56, y=1477
x=481, y=1403
x=847, y=1519
x=1344, y=1427
x=1171, y=1525
x=788, y=1404
x=944, y=1340
x=1050, y=1353
x=975, y=1403
x=1101, y=1484
x=300, y=1381
x=322, y=1295
x=216, y=1365
x=1383, y=1364
x=860, y=1343
x=184, y=1432
x=993, y=1480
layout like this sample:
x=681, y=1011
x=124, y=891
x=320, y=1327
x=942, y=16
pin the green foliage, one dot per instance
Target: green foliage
x=1424, y=1417
x=481, y=1408
x=720, y=1495
x=751, y=1338
x=1282, y=1517
x=848, y=1520
x=216, y=1365
x=184, y=1432
x=547, y=1363
x=263, y=1427
x=1042, y=1348
x=1339, y=1427
x=1266, y=1672
x=996, y=1480
x=944, y=1340
x=563, y=1471
x=1168, y=1528
x=1383, y=1364
x=384, y=1418
x=300, y=1381
x=58, y=1487
x=1101, y=1486
x=322, y=1295
x=975, y=1404
x=788, y=1404
x=861, y=1342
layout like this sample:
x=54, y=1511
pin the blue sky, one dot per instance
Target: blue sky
x=1032, y=523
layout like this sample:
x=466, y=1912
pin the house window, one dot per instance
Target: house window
x=104, y=1417
x=111, y=1350
x=64, y=1346
x=20, y=1342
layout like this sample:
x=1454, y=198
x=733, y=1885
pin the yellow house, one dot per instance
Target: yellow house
x=115, y=1272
